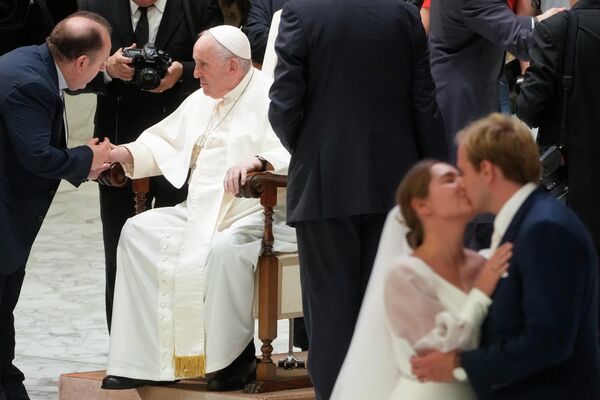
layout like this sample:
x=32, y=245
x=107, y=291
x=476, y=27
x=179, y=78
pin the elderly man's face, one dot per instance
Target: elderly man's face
x=212, y=71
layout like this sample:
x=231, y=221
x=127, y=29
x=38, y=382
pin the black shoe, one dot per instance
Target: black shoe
x=237, y=374
x=112, y=382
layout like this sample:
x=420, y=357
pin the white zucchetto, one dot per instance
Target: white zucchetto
x=233, y=39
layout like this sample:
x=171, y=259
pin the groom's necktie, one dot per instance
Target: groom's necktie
x=496, y=238
x=142, y=31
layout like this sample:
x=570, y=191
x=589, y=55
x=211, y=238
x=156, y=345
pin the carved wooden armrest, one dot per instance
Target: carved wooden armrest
x=258, y=182
x=114, y=176
x=264, y=185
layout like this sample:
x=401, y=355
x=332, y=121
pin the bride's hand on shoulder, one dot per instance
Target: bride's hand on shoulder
x=493, y=269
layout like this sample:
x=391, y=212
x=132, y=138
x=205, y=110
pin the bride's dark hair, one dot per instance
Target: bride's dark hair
x=415, y=185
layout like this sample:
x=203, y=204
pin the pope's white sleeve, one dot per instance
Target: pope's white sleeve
x=143, y=165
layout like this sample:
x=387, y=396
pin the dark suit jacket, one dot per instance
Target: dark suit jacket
x=540, y=104
x=123, y=110
x=33, y=153
x=354, y=102
x=539, y=340
x=468, y=39
x=258, y=25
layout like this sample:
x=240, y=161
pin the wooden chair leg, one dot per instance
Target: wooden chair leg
x=140, y=187
x=268, y=275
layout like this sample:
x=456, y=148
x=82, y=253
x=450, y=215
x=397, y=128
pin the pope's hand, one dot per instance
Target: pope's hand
x=236, y=175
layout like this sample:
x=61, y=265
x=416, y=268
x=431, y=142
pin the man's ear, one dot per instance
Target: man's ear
x=80, y=62
x=233, y=65
x=487, y=171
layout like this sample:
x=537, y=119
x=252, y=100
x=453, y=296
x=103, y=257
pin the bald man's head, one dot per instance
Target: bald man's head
x=80, y=33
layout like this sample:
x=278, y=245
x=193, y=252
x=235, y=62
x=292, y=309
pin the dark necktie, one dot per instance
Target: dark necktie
x=141, y=29
x=65, y=124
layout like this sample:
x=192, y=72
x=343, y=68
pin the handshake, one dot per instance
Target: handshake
x=101, y=156
x=104, y=155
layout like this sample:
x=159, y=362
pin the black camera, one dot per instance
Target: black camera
x=150, y=65
x=554, y=172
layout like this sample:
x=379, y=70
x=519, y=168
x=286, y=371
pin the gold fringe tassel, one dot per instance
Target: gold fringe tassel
x=188, y=367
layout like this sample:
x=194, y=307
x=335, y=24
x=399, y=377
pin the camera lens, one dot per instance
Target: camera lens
x=148, y=79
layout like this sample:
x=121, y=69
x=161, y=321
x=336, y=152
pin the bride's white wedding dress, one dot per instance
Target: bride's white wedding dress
x=424, y=311
x=429, y=313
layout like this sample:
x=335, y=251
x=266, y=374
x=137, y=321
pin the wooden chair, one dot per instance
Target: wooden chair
x=278, y=293
x=277, y=287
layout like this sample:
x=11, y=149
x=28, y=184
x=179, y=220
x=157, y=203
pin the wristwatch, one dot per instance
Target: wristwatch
x=263, y=163
x=459, y=374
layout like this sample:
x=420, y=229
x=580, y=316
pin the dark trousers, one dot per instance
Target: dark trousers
x=116, y=206
x=11, y=379
x=336, y=258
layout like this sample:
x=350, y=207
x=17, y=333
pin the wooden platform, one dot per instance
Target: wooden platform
x=86, y=386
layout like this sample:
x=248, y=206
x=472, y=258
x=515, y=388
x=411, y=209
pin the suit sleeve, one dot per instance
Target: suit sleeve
x=30, y=111
x=493, y=20
x=428, y=121
x=288, y=89
x=257, y=28
x=553, y=266
x=540, y=86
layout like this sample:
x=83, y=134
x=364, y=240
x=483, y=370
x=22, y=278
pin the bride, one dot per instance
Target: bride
x=435, y=292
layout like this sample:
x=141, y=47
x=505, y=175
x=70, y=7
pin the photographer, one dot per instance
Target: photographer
x=541, y=100
x=124, y=109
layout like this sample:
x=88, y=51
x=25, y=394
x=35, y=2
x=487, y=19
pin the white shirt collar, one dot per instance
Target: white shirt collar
x=160, y=5
x=237, y=91
x=510, y=208
x=62, y=83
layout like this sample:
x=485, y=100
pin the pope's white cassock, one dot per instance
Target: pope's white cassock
x=185, y=279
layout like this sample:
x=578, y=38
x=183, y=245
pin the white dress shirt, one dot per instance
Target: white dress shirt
x=154, y=13
x=507, y=213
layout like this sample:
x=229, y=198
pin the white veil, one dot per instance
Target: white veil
x=369, y=370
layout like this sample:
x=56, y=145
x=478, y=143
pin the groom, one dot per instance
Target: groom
x=539, y=340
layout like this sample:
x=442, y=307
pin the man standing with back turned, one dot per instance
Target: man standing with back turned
x=354, y=102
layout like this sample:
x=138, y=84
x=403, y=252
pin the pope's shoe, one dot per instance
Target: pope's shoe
x=113, y=382
x=237, y=374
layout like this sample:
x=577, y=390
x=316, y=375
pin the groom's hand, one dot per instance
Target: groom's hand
x=434, y=366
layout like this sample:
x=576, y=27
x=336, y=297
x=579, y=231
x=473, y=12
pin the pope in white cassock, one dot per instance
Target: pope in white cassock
x=185, y=279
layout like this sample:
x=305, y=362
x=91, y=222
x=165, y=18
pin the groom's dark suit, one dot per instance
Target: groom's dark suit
x=539, y=340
